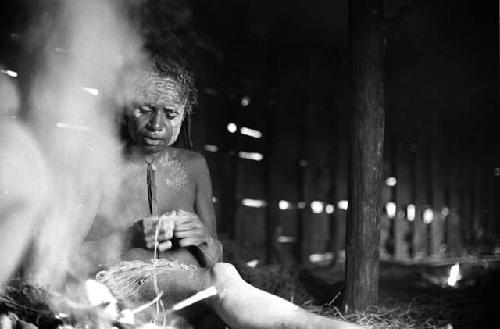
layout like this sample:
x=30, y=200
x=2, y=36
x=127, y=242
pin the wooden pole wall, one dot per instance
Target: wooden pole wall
x=271, y=187
x=338, y=220
x=421, y=201
x=402, y=199
x=366, y=167
x=436, y=185
x=453, y=220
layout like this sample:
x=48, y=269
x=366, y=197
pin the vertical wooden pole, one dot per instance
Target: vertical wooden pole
x=477, y=216
x=402, y=199
x=387, y=223
x=271, y=180
x=332, y=234
x=421, y=200
x=284, y=185
x=492, y=206
x=437, y=194
x=230, y=202
x=366, y=160
x=302, y=214
x=413, y=199
x=453, y=221
x=465, y=201
x=302, y=164
x=338, y=226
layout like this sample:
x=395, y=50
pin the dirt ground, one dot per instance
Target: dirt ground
x=411, y=295
x=418, y=295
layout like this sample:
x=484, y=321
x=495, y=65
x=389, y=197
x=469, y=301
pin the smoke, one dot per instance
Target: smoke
x=86, y=44
x=22, y=171
x=9, y=97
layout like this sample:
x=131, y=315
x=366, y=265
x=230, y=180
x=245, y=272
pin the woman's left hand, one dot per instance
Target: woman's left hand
x=190, y=230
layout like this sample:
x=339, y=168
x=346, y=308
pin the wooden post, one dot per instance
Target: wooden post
x=477, y=229
x=453, y=221
x=302, y=163
x=492, y=206
x=465, y=201
x=271, y=184
x=413, y=199
x=284, y=187
x=230, y=202
x=338, y=220
x=437, y=194
x=421, y=200
x=366, y=160
x=302, y=244
x=287, y=150
x=402, y=199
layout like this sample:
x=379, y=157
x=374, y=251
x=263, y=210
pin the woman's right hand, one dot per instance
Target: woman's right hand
x=158, y=230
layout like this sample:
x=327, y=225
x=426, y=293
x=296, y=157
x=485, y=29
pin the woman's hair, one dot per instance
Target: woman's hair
x=167, y=67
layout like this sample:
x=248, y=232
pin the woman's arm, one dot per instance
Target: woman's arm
x=204, y=207
x=204, y=195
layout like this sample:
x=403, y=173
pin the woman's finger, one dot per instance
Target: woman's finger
x=186, y=219
x=153, y=230
x=152, y=235
x=188, y=225
x=190, y=234
x=188, y=228
x=191, y=242
x=160, y=239
x=164, y=246
x=149, y=223
x=166, y=235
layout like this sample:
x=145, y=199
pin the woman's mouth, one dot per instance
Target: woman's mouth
x=151, y=142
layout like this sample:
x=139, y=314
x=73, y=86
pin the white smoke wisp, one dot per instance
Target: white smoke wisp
x=22, y=171
x=9, y=98
x=77, y=129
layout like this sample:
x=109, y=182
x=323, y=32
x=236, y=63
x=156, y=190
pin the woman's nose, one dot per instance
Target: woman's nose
x=156, y=122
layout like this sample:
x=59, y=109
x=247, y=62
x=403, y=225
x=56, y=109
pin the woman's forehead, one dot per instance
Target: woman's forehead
x=164, y=91
x=155, y=89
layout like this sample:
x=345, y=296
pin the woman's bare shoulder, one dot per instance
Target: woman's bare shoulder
x=190, y=158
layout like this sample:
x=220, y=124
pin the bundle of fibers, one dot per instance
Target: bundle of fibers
x=136, y=281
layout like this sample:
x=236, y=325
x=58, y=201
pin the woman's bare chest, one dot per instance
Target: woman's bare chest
x=173, y=184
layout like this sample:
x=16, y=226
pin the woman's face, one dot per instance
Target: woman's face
x=155, y=123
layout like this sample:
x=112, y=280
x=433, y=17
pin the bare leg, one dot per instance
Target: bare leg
x=241, y=305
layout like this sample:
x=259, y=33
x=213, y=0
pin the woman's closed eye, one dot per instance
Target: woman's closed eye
x=171, y=113
x=145, y=109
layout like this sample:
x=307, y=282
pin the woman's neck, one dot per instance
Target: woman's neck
x=136, y=154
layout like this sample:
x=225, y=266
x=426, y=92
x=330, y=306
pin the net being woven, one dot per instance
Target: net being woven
x=126, y=279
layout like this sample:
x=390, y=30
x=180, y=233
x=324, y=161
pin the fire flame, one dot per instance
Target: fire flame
x=99, y=295
x=207, y=293
x=454, y=275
